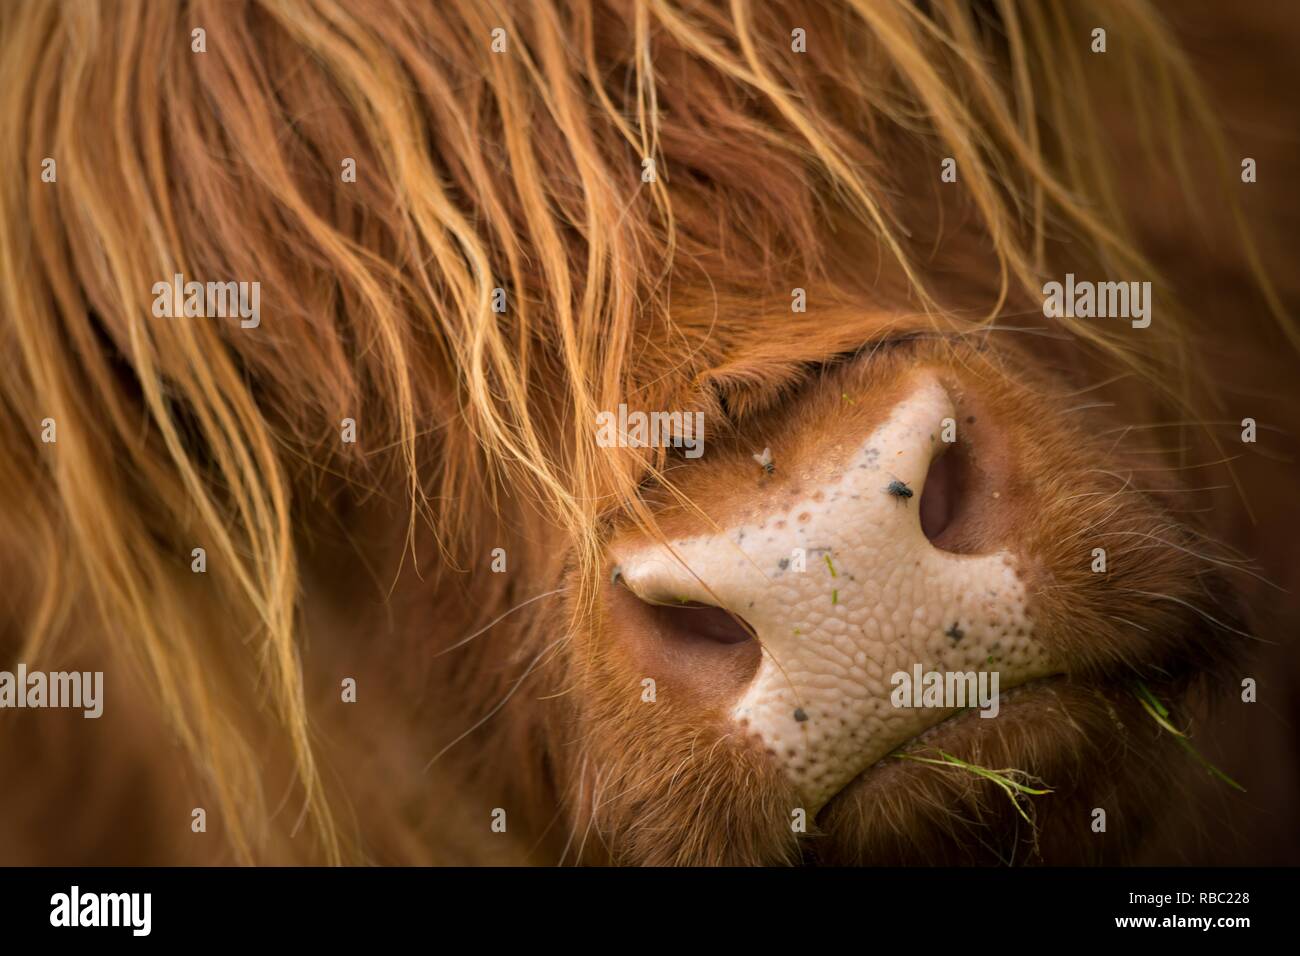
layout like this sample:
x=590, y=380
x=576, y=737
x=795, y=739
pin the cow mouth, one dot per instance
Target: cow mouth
x=1027, y=701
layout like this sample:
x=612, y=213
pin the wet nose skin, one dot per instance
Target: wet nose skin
x=875, y=597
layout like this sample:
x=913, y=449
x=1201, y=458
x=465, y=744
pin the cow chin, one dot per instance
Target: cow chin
x=921, y=510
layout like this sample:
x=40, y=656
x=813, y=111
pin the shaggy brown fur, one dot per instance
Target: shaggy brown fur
x=522, y=170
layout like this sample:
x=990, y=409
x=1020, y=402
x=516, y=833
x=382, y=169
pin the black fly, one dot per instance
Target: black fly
x=899, y=489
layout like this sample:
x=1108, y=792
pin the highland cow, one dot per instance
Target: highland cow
x=366, y=584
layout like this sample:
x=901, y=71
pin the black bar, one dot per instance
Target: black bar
x=435, y=907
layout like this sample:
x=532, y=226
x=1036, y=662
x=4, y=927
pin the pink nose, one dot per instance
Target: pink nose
x=843, y=589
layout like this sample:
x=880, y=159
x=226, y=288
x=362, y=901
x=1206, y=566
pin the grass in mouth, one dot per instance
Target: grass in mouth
x=1015, y=783
x=1011, y=781
x=1160, y=714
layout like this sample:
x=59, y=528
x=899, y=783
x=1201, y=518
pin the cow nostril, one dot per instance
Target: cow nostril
x=696, y=652
x=694, y=621
x=691, y=620
x=941, y=495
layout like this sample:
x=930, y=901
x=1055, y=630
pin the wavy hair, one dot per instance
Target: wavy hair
x=497, y=146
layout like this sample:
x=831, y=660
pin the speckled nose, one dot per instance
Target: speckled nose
x=845, y=589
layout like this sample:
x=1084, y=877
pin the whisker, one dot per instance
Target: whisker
x=504, y=700
x=1082, y=408
x=463, y=641
x=582, y=783
x=1231, y=565
x=1192, y=607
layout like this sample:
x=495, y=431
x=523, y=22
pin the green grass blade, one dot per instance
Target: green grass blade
x=1159, y=713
